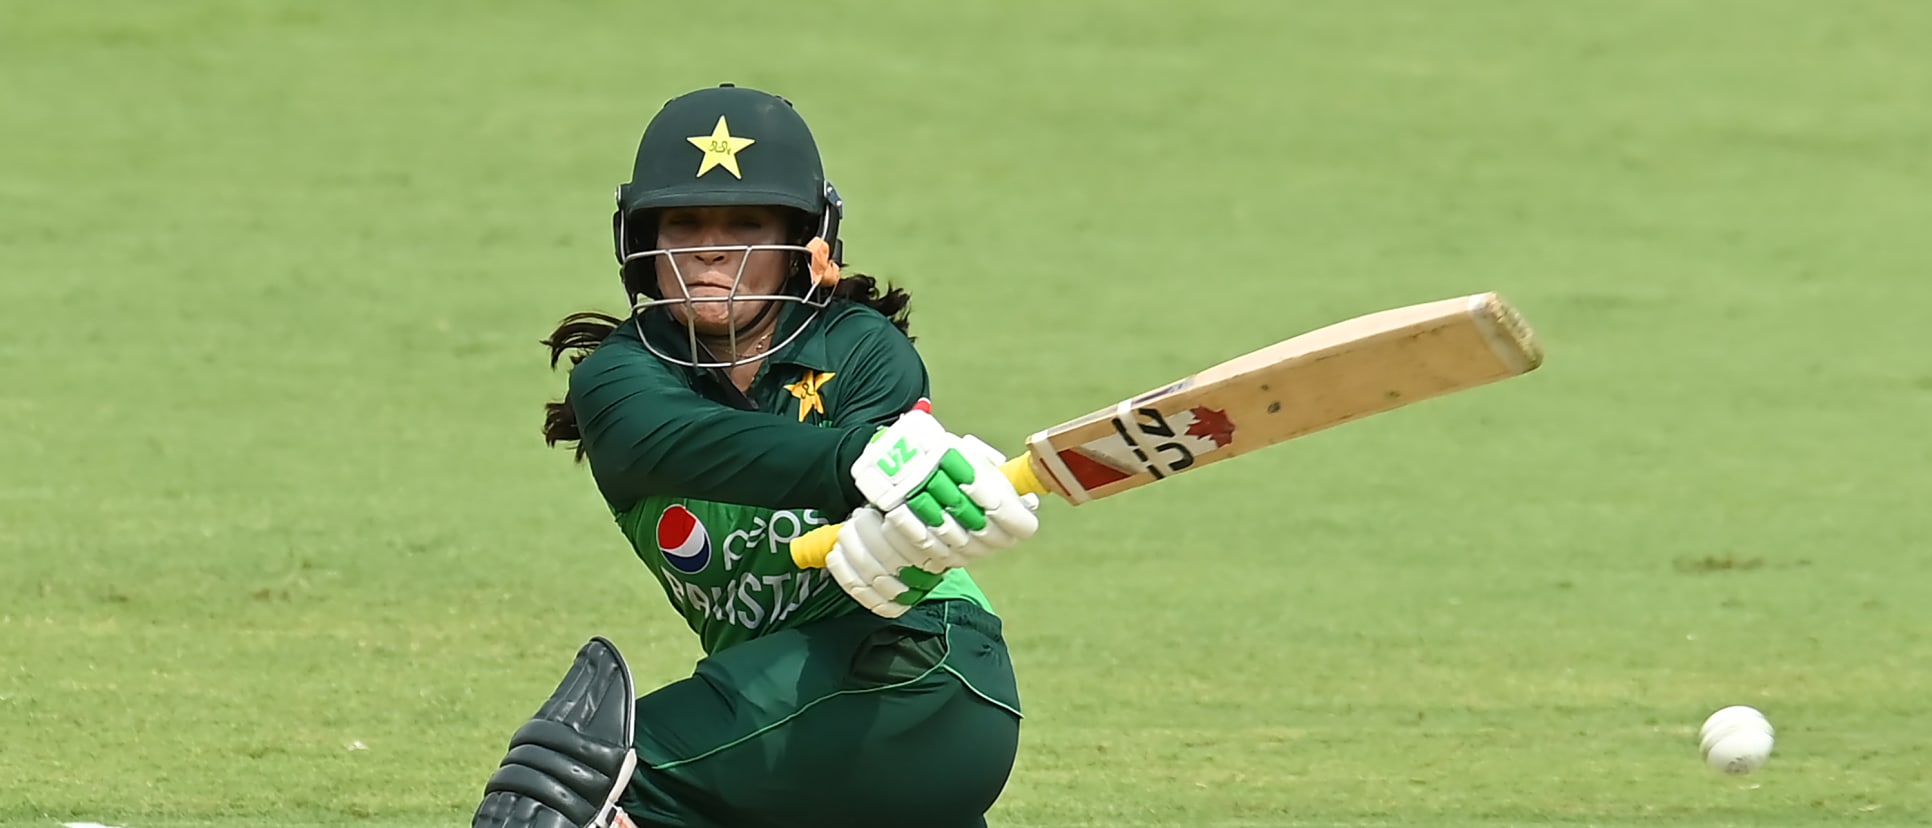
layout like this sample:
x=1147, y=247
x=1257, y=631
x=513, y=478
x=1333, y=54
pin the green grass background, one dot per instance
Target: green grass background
x=280, y=545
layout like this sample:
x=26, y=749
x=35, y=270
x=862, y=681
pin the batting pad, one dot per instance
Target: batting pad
x=568, y=764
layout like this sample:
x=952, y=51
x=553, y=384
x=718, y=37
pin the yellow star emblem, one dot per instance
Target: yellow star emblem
x=806, y=389
x=720, y=149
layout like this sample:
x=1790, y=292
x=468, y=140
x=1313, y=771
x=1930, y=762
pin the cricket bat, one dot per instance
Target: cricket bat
x=1326, y=377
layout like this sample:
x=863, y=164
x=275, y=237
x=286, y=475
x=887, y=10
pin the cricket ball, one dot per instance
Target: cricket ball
x=1736, y=740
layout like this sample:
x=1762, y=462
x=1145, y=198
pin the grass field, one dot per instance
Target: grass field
x=280, y=545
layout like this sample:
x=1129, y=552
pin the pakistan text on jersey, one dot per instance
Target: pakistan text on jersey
x=750, y=601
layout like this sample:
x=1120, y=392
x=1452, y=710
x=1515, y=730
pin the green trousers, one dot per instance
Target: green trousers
x=850, y=722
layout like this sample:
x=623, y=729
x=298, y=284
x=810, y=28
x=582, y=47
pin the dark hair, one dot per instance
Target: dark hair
x=580, y=333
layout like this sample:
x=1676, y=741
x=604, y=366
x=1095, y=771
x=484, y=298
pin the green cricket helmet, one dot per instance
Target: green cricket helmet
x=727, y=146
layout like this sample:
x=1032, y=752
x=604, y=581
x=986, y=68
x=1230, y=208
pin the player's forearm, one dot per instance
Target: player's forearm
x=728, y=456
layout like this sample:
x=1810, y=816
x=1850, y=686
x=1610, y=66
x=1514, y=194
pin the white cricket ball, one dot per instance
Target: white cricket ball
x=1736, y=740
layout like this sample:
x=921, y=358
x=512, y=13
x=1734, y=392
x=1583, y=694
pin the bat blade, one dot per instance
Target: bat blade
x=1343, y=372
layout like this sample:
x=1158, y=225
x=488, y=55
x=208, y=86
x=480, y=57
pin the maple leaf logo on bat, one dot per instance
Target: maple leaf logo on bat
x=1210, y=424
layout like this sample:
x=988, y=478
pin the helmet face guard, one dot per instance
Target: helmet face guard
x=815, y=296
x=805, y=284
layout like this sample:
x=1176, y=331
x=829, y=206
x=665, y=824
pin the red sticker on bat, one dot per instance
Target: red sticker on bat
x=1090, y=473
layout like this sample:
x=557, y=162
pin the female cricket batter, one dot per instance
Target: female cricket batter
x=754, y=393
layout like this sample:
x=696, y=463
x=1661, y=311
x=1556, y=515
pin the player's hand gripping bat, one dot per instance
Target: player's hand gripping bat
x=1346, y=371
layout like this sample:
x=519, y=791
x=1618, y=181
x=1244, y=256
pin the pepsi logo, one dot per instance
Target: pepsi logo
x=683, y=540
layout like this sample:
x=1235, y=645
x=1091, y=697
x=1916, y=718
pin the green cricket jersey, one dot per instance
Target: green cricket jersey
x=711, y=495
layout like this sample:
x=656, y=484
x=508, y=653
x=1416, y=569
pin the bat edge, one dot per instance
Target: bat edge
x=1507, y=333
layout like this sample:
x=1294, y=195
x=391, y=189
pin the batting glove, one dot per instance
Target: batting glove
x=873, y=566
x=941, y=494
x=963, y=509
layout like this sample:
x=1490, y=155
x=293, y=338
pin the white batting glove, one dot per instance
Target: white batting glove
x=993, y=516
x=874, y=567
x=943, y=495
x=902, y=458
x=888, y=561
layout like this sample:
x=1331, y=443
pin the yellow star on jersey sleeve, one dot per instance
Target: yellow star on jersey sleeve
x=720, y=149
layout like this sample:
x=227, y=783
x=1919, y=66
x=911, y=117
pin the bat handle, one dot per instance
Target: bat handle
x=809, y=550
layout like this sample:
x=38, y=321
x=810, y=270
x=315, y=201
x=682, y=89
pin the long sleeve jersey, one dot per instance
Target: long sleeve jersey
x=711, y=494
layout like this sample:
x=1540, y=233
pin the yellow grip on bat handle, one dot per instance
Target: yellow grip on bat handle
x=809, y=550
